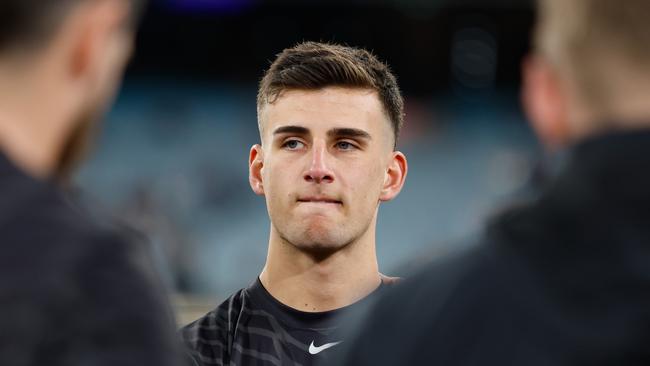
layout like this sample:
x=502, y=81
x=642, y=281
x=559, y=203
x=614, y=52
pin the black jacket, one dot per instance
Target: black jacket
x=73, y=291
x=562, y=280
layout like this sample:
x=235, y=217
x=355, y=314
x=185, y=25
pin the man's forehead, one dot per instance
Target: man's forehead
x=322, y=100
x=324, y=109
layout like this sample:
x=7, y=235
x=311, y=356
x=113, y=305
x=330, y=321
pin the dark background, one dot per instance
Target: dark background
x=235, y=40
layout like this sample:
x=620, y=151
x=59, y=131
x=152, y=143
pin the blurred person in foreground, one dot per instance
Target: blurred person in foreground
x=73, y=290
x=329, y=117
x=565, y=278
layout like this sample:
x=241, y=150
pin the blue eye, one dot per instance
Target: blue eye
x=292, y=144
x=344, y=145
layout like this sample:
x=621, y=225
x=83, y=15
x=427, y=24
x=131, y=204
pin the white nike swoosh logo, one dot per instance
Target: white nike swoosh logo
x=316, y=350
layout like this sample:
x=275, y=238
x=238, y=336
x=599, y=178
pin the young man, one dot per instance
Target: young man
x=564, y=279
x=72, y=291
x=329, y=118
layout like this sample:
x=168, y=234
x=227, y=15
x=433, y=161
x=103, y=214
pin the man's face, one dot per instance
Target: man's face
x=323, y=165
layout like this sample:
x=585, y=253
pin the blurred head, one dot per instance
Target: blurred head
x=329, y=118
x=80, y=47
x=589, y=70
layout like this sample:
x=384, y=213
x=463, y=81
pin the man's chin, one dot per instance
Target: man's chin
x=320, y=243
x=320, y=251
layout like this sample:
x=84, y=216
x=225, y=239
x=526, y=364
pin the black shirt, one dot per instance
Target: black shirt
x=73, y=291
x=253, y=328
x=561, y=280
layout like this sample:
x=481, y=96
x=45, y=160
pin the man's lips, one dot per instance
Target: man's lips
x=318, y=199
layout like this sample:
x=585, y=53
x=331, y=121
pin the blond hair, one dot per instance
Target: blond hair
x=594, y=43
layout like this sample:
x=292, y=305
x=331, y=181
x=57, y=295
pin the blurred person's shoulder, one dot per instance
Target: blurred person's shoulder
x=46, y=229
x=73, y=284
x=473, y=297
x=36, y=214
x=477, y=269
x=489, y=272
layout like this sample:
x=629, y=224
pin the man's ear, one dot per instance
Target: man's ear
x=544, y=101
x=98, y=28
x=255, y=166
x=395, y=177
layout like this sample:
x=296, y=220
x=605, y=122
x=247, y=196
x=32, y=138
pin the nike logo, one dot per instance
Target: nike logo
x=316, y=350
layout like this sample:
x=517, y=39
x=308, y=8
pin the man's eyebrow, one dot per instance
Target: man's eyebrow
x=298, y=130
x=349, y=132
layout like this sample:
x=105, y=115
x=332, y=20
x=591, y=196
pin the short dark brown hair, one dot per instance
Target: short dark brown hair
x=314, y=65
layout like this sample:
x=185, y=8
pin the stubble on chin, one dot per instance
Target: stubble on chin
x=317, y=241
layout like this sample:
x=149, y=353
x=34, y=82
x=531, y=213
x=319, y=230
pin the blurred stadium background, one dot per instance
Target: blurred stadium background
x=172, y=159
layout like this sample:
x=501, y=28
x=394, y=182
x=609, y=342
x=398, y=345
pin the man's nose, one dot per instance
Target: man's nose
x=319, y=170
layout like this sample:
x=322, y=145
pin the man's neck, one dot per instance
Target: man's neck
x=299, y=280
x=31, y=134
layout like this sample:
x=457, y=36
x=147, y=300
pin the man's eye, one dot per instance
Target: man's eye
x=344, y=145
x=293, y=144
